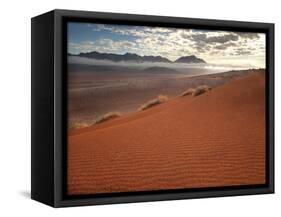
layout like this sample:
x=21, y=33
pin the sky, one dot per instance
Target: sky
x=215, y=47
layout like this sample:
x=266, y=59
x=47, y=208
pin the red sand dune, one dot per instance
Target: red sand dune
x=215, y=139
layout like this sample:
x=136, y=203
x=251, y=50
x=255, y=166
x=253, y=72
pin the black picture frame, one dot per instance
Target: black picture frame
x=49, y=104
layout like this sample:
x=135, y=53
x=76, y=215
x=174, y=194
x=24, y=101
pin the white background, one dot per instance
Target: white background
x=15, y=106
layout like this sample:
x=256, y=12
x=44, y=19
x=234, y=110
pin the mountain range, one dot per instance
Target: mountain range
x=137, y=58
x=190, y=59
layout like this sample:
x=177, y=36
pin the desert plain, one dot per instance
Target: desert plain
x=213, y=139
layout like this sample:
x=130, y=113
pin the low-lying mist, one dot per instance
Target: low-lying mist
x=204, y=68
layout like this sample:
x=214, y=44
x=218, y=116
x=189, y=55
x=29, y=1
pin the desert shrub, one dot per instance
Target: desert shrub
x=200, y=90
x=78, y=125
x=107, y=116
x=160, y=99
x=188, y=92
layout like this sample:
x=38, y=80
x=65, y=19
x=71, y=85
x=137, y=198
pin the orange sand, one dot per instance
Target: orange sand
x=215, y=139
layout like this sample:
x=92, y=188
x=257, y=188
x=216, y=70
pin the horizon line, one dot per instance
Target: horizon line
x=69, y=53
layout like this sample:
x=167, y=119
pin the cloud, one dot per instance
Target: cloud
x=242, y=52
x=215, y=39
x=246, y=35
x=225, y=46
x=103, y=45
x=171, y=42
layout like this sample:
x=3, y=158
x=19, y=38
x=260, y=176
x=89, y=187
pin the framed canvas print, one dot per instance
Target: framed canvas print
x=132, y=108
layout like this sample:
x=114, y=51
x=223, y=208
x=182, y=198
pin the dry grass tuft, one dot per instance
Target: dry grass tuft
x=160, y=99
x=200, y=90
x=107, y=116
x=78, y=125
x=188, y=92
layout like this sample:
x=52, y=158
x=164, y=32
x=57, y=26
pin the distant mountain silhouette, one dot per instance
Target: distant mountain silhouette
x=190, y=59
x=123, y=57
x=137, y=58
x=156, y=59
